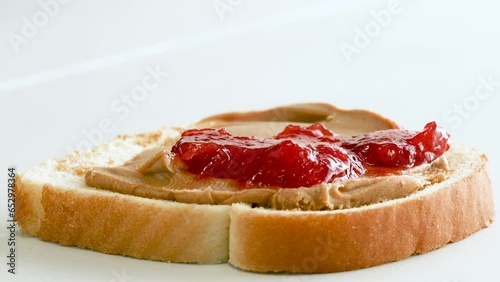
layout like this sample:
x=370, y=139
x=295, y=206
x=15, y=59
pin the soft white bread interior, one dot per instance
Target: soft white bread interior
x=54, y=204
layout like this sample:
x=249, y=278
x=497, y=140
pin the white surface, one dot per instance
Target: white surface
x=64, y=81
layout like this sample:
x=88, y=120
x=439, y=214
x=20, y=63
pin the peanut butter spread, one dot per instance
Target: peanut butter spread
x=152, y=174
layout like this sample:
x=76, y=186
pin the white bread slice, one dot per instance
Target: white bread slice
x=54, y=204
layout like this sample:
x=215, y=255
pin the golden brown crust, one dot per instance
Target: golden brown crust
x=342, y=240
x=28, y=206
x=125, y=225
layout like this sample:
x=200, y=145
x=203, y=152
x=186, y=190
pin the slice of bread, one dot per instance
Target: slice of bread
x=54, y=204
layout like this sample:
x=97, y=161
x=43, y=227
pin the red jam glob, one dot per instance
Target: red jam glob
x=398, y=148
x=305, y=156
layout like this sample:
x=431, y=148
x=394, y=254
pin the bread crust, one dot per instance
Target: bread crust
x=318, y=242
x=125, y=225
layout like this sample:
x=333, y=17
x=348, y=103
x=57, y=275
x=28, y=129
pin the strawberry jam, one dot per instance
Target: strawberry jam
x=398, y=148
x=305, y=156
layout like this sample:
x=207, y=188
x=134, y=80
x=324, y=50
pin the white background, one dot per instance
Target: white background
x=63, y=79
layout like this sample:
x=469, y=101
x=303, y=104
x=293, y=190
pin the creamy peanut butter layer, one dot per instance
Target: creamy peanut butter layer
x=153, y=174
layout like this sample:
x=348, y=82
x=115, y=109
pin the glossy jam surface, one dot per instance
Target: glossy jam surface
x=304, y=156
x=398, y=148
x=296, y=157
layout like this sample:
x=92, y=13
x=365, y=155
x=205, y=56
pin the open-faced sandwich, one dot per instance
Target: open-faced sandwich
x=305, y=188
